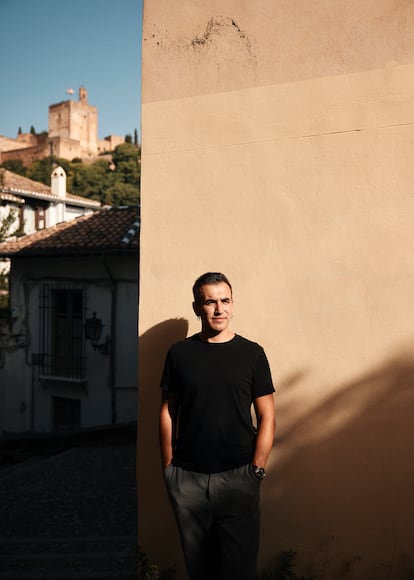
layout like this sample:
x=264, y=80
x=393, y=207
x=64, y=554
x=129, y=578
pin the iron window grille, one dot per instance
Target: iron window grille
x=62, y=344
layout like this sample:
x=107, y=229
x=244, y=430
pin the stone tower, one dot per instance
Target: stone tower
x=73, y=127
x=83, y=95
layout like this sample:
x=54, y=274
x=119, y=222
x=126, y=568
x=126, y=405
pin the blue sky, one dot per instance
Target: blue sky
x=49, y=46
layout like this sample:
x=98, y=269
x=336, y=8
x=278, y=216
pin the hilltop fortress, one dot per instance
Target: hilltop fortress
x=73, y=132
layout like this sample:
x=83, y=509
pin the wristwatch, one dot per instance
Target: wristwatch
x=259, y=472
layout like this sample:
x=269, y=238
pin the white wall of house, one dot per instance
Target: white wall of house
x=29, y=220
x=54, y=213
x=108, y=393
x=55, y=210
x=72, y=212
x=15, y=400
x=126, y=350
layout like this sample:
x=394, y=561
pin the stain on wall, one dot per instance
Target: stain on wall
x=219, y=26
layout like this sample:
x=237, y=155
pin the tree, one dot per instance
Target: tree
x=19, y=131
x=6, y=224
x=41, y=169
x=126, y=153
x=89, y=180
x=14, y=165
x=6, y=230
x=32, y=130
x=121, y=194
x=126, y=159
x=115, y=182
x=128, y=138
x=4, y=284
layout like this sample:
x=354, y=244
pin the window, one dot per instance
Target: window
x=40, y=218
x=20, y=227
x=61, y=331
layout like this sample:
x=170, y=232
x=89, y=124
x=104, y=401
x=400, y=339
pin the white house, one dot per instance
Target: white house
x=68, y=352
x=37, y=206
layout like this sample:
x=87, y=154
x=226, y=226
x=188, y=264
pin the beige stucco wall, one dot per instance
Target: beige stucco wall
x=277, y=143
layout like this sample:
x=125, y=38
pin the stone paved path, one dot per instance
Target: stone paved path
x=71, y=515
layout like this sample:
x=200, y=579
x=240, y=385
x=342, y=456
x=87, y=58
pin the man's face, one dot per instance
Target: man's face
x=215, y=307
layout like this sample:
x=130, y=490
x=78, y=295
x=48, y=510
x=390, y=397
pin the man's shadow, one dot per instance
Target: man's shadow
x=156, y=526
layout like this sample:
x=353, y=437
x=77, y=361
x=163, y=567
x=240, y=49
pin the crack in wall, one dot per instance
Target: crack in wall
x=215, y=26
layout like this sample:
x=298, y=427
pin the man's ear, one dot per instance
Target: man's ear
x=196, y=309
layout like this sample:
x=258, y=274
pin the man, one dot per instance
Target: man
x=213, y=458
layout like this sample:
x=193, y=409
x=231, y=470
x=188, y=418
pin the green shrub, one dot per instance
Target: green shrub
x=284, y=568
x=146, y=570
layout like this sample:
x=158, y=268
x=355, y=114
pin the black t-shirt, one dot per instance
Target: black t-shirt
x=215, y=384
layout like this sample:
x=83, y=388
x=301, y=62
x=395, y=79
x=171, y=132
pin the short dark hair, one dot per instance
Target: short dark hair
x=209, y=278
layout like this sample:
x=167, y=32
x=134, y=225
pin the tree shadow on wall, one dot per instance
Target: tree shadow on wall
x=342, y=495
x=157, y=530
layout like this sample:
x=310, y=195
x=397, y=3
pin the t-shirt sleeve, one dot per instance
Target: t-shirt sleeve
x=262, y=378
x=167, y=380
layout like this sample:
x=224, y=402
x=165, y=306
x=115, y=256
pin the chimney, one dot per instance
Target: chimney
x=57, y=211
x=59, y=182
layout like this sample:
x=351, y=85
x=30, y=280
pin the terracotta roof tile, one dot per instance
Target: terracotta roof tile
x=112, y=230
x=15, y=182
x=18, y=185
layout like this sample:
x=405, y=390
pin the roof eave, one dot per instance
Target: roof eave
x=52, y=198
x=50, y=252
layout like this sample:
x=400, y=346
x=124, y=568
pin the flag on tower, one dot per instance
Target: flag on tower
x=70, y=91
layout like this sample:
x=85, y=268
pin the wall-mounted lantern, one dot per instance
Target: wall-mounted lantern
x=93, y=329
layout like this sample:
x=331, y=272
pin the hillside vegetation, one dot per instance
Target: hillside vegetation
x=114, y=181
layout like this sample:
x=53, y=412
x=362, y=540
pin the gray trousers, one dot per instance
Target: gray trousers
x=218, y=519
